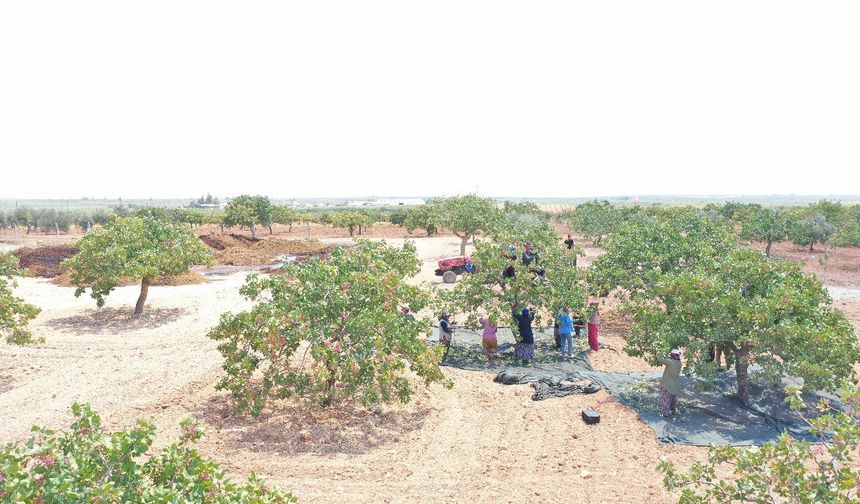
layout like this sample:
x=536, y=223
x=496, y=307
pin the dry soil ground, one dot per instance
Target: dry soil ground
x=477, y=442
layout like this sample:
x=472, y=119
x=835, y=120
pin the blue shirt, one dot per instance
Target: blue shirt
x=565, y=324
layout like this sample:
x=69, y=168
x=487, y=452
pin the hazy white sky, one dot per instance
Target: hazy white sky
x=322, y=98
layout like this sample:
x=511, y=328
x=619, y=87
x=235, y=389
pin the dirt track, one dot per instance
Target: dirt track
x=479, y=442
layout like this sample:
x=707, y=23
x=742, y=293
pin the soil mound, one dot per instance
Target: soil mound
x=188, y=278
x=44, y=261
x=267, y=251
x=225, y=241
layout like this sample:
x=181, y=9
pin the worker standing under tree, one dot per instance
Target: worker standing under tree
x=593, y=325
x=670, y=383
x=525, y=347
x=569, y=243
x=565, y=332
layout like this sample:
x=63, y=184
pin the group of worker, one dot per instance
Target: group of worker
x=566, y=325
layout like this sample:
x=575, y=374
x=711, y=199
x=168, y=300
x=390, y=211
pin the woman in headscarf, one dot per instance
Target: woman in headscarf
x=525, y=347
x=670, y=383
x=593, y=324
x=488, y=338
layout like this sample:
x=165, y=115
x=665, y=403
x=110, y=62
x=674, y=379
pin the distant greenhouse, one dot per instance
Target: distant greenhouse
x=387, y=202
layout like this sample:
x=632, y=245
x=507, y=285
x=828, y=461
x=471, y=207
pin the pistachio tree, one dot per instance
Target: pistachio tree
x=641, y=251
x=427, y=217
x=469, y=215
x=248, y=211
x=349, y=220
x=810, y=230
x=144, y=247
x=88, y=463
x=502, y=280
x=765, y=224
x=284, y=215
x=328, y=330
x=15, y=313
x=768, y=312
x=594, y=219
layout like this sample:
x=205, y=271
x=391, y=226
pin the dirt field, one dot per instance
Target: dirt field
x=833, y=266
x=478, y=442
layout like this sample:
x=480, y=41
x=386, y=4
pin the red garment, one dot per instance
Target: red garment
x=592, y=336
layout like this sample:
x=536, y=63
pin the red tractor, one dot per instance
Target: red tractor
x=450, y=267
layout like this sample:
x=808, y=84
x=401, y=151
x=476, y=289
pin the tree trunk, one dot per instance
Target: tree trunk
x=463, y=241
x=141, y=300
x=254, y=231
x=270, y=230
x=222, y=227
x=741, y=364
x=291, y=228
x=810, y=247
x=351, y=231
x=767, y=250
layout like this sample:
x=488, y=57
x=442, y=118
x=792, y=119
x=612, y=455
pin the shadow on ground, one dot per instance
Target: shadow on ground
x=290, y=428
x=115, y=320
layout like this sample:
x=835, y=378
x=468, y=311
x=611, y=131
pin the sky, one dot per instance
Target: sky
x=171, y=99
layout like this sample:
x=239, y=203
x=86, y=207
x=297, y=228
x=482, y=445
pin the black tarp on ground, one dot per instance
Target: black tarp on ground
x=549, y=374
x=713, y=416
x=705, y=417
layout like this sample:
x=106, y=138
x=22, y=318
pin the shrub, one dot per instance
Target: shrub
x=785, y=471
x=15, y=313
x=329, y=329
x=88, y=464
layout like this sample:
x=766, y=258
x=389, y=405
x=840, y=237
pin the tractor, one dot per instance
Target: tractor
x=450, y=267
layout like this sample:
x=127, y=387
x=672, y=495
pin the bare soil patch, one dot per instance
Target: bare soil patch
x=44, y=261
x=839, y=266
x=115, y=320
x=268, y=251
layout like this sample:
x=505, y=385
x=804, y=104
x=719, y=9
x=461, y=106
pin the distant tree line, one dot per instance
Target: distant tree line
x=807, y=226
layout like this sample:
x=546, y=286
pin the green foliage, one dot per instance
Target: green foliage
x=248, y=211
x=785, y=471
x=833, y=211
x=50, y=220
x=329, y=329
x=469, y=215
x=523, y=207
x=765, y=224
x=848, y=233
x=594, y=220
x=284, y=215
x=24, y=216
x=15, y=313
x=734, y=211
x=89, y=464
x=145, y=247
x=350, y=220
x=770, y=312
x=397, y=217
x=811, y=230
x=641, y=250
x=487, y=292
x=427, y=217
